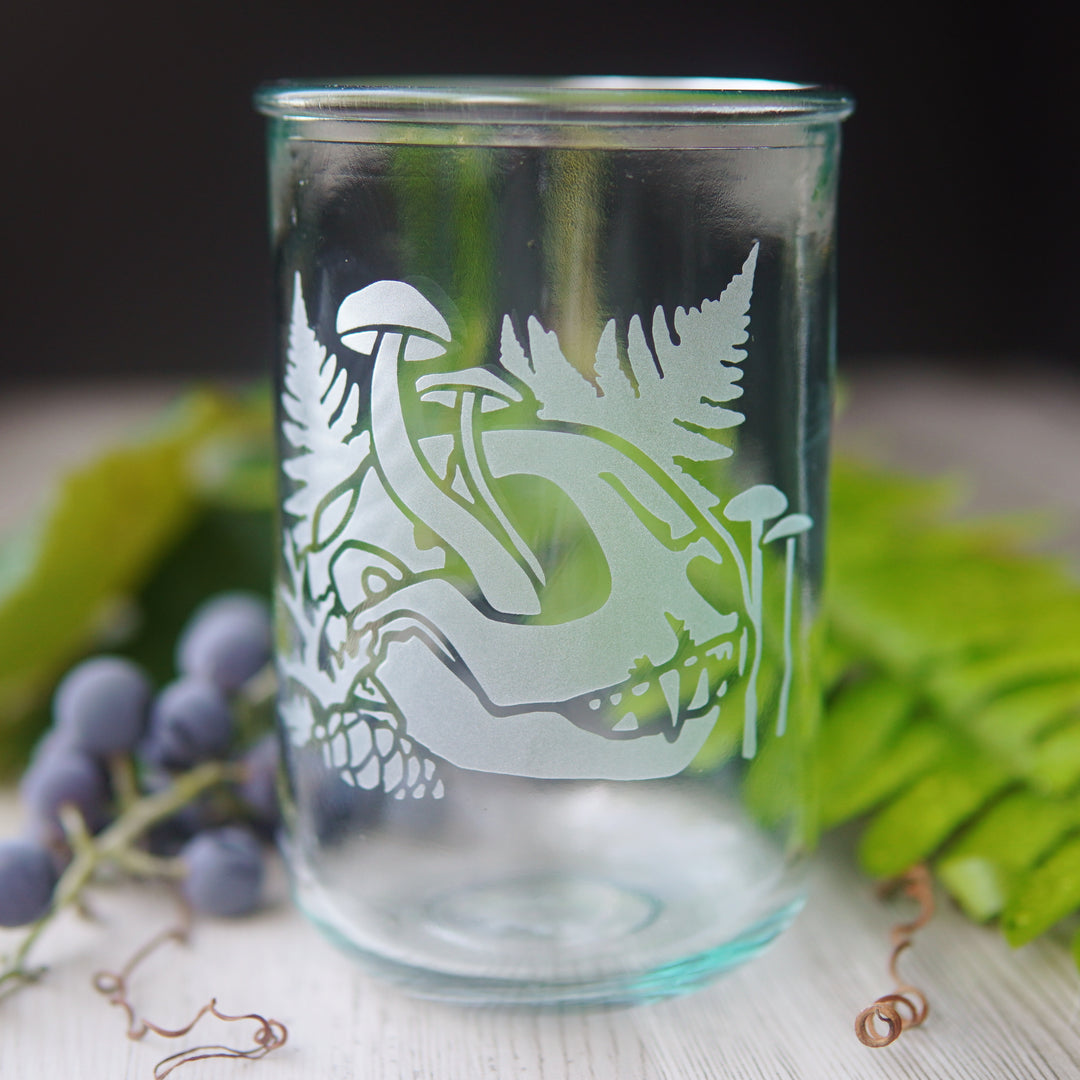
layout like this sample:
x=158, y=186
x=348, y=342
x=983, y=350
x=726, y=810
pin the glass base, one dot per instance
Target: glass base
x=511, y=924
x=608, y=897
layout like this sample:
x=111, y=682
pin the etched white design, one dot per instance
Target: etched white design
x=331, y=478
x=498, y=567
x=675, y=411
x=321, y=412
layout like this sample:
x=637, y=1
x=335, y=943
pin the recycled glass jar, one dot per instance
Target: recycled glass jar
x=554, y=407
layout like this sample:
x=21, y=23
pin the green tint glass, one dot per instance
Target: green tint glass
x=554, y=417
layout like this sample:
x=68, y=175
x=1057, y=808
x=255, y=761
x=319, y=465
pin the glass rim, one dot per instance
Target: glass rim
x=609, y=100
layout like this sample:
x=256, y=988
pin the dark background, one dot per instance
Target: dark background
x=133, y=192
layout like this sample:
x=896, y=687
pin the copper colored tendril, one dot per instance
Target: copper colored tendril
x=906, y=1006
x=269, y=1034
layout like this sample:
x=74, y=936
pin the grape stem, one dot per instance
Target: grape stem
x=116, y=846
x=122, y=775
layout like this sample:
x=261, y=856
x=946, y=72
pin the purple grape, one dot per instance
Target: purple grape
x=227, y=640
x=258, y=789
x=27, y=879
x=61, y=775
x=101, y=704
x=224, y=871
x=53, y=741
x=190, y=722
x=205, y=811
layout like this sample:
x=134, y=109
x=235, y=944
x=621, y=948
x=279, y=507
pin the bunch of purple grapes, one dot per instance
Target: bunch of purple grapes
x=106, y=713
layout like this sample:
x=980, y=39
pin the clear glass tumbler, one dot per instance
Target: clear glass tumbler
x=554, y=404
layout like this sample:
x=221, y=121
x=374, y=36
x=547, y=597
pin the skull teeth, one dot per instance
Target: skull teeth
x=701, y=694
x=669, y=683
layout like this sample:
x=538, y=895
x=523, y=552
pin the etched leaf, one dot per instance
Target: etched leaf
x=322, y=412
x=676, y=411
x=304, y=620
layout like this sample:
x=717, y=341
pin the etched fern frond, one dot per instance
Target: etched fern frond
x=701, y=372
x=321, y=424
x=299, y=665
x=675, y=411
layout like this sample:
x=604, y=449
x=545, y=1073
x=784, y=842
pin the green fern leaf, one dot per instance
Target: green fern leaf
x=957, y=719
x=898, y=765
x=1049, y=893
x=915, y=824
x=984, y=866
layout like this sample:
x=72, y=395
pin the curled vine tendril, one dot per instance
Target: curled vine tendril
x=883, y=1022
x=113, y=985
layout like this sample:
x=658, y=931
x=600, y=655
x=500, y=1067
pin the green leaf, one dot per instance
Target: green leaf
x=224, y=548
x=1050, y=893
x=1055, y=761
x=1013, y=722
x=914, y=825
x=861, y=790
x=864, y=718
x=919, y=594
x=1043, y=654
x=67, y=582
x=984, y=640
x=983, y=867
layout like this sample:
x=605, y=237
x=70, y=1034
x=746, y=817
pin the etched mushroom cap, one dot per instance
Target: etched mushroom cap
x=762, y=502
x=395, y=304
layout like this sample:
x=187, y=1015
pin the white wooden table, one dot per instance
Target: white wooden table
x=997, y=1014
